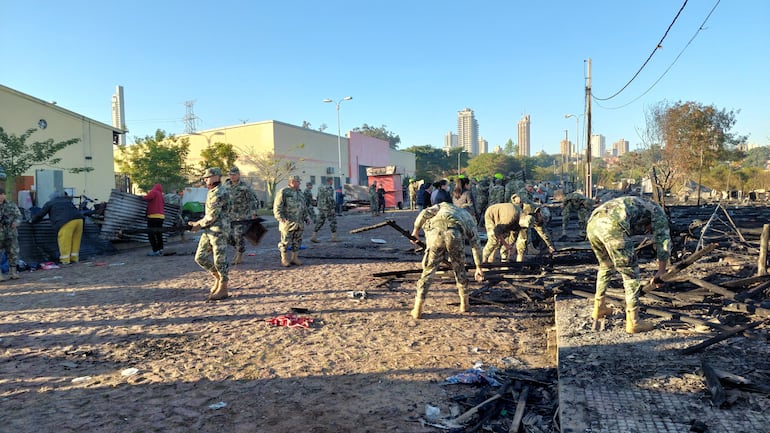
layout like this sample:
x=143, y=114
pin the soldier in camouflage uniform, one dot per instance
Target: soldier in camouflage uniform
x=374, y=206
x=308, y=194
x=10, y=220
x=212, y=247
x=292, y=215
x=496, y=192
x=531, y=218
x=500, y=220
x=413, y=186
x=575, y=201
x=482, y=199
x=527, y=194
x=610, y=230
x=326, y=210
x=243, y=208
x=446, y=228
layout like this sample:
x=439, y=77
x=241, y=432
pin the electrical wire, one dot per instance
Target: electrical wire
x=669, y=66
x=654, y=50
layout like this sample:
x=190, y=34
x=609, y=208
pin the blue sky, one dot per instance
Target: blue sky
x=409, y=65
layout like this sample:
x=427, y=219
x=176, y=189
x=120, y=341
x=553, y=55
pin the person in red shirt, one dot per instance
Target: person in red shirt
x=155, y=218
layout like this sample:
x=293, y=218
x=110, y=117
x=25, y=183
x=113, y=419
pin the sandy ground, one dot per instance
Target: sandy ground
x=126, y=343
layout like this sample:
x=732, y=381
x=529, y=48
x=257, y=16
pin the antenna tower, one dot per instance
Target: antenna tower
x=190, y=120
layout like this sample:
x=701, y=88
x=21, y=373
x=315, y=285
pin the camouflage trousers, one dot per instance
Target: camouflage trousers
x=290, y=238
x=442, y=244
x=323, y=215
x=212, y=253
x=566, y=212
x=614, y=250
x=236, y=238
x=9, y=242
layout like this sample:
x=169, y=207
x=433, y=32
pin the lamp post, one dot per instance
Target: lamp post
x=577, y=140
x=208, y=137
x=339, y=135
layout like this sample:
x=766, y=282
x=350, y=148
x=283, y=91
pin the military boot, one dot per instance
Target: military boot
x=600, y=309
x=285, y=259
x=217, y=279
x=417, y=310
x=314, y=239
x=220, y=293
x=464, y=303
x=334, y=237
x=13, y=273
x=294, y=259
x=3, y=277
x=634, y=324
x=238, y=258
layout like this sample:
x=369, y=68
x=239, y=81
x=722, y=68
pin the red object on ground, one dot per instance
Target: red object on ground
x=291, y=321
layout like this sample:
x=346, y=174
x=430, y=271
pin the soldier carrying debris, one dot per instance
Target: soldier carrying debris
x=446, y=229
x=609, y=230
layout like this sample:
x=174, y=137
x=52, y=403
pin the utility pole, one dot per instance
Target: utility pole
x=589, y=175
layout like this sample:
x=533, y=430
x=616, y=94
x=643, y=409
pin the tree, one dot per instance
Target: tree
x=271, y=169
x=16, y=156
x=696, y=136
x=509, y=148
x=221, y=155
x=430, y=163
x=382, y=133
x=757, y=157
x=487, y=164
x=159, y=159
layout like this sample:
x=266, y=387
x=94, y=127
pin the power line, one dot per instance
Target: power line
x=654, y=50
x=669, y=66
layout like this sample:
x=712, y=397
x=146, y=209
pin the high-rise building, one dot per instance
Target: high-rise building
x=483, y=145
x=523, y=135
x=566, y=149
x=468, y=131
x=598, y=146
x=620, y=147
x=450, y=141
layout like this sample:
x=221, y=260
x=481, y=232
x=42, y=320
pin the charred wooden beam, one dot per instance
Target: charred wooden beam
x=715, y=388
x=711, y=287
x=745, y=282
x=680, y=266
x=393, y=224
x=722, y=336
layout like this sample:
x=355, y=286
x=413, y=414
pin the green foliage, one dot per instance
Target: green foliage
x=757, y=157
x=430, y=163
x=17, y=156
x=487, y=164
x=510, y=148
x=159, y=159
x=221, y=155
x=382, y=133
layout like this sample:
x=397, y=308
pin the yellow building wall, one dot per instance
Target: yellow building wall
x=20, y=112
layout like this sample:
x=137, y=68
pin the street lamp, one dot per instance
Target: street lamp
x=577, y=139
x=208, y=137
x=339, y=137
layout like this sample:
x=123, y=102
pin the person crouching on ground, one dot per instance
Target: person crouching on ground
x=610, y=230
x=211, y=254
x=446, y=228
x=67, y=222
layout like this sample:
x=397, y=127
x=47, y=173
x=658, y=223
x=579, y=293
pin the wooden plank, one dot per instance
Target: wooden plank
x=716, y=339
x=520, y=405
x=711, y=287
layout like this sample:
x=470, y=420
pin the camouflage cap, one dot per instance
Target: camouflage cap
x=212, y=171
x=295, y=177
x=234, y=170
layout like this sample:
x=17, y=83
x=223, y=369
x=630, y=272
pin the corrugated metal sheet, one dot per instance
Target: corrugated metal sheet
x=126, y=212
x=37, y=243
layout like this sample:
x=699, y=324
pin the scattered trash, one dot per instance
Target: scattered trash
x=116, y=264
x=357, y=294
x=291, y=321
x=379, y=241
x=129, y=372
x=49, y=265
x=81, y=379
x=299, y=310
x=219, y=405
x=432, y=412
x=301, y=247
x=475, y=375
x=55, y=277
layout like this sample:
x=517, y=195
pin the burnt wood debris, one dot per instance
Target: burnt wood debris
x=716, y=283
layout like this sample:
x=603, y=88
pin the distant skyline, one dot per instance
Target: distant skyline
x=406, y=64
